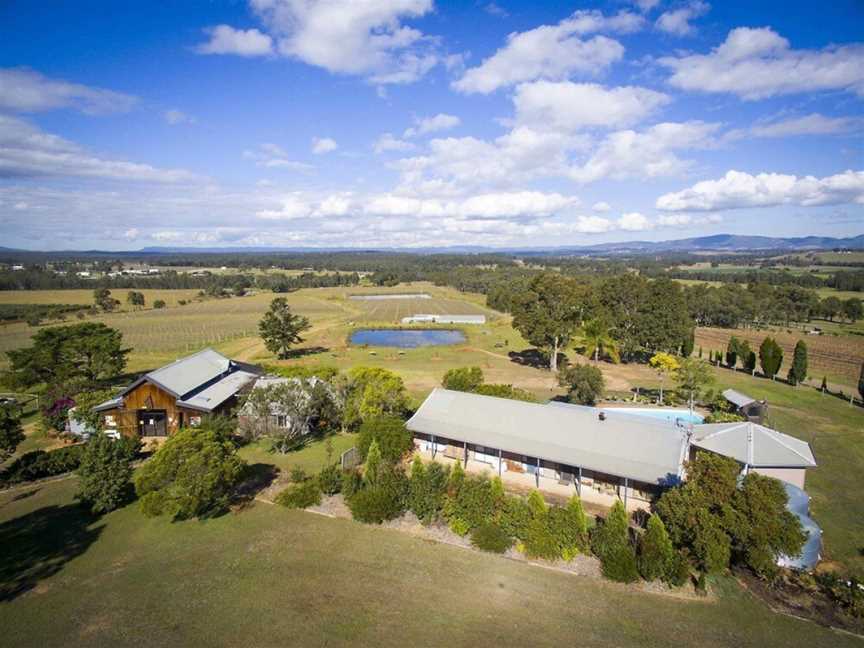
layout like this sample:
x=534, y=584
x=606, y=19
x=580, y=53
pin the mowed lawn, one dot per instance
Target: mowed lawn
x=268, y=576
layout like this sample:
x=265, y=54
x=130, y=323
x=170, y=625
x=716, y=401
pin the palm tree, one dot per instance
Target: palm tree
x=598, y=341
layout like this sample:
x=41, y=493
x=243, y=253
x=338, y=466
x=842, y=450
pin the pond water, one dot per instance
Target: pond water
x=407, y=338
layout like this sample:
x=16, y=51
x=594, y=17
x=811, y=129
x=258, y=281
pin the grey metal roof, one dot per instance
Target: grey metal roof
x=186, y=374
x=754, y=444
x=737, y=398
x=811, y=553
x=214, y=395
x=646, y=451
x=109, y=404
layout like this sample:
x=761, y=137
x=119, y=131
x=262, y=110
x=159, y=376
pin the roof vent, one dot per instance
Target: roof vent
x=602, y=416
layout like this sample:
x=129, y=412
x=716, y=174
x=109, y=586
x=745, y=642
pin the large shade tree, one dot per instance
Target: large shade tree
x=82, y=353
x=550, y=312
x=280, y=328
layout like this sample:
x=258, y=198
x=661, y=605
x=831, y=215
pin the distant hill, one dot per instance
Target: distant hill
x=714, y=243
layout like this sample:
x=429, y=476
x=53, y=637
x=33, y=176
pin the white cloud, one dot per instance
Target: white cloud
x=568, y=106
x=425, y=125
x=634, y=222
x=646, y=5
x=132, y=233
x=552, y=52
x=293, y=207
x=677, y=21
x=273, y=156
x=601, y=207
x=737, y=190
x=646, y=154
x=26, y=151
x=387, y=142
x=322, y=145
x=25, y=90
x=224, y=39
x=759, y=63
x=174, y=117
x=349, y=37
x=812, y=124
x=503, y=205
x=494, y=10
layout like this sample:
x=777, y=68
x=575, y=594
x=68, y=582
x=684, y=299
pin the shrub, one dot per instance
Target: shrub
x=296, y=474
x=505, y=391
x=159, y=303
x=352, y=482
x=383, y=500
x=656, y=554
x=569, y=528
x=11, y=433
x=300, y=495
x=610, y=542
x=679, y=570
x=459, y=526
x=514, y=516
x=723, y=417
x=539, y=541
x=427, y=489
x=330, y=479
x=491, y=537
x=465, y=379
x=193, y=474
x=39, y=464
x=585, y=383
x=473, y=503
x=393, y=438
x=105, y=472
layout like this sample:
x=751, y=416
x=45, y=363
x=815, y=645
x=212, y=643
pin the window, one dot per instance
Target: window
x=194, y=421
x=109, y=420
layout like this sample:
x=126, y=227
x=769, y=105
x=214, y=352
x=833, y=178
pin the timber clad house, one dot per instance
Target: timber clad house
x=602, y=454
x=177, y=395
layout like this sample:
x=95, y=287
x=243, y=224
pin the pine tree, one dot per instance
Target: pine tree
x=656, y=555
x=824, y=387
x=611, y=543
x=798, y=370
x=536, y=504
x=770, y=357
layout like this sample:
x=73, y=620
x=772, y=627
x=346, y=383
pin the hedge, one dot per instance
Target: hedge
x=39, y=464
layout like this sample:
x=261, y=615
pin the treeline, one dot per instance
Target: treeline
x=842, y=280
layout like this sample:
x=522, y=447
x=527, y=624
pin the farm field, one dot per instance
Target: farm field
x=83, y=296
x=838, y=357
x=268, y=576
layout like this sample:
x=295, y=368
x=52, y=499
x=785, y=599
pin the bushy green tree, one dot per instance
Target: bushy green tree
x=798, y=369
x=135, y=299
x=80, y=353
x=280, y=328
x=656, y=557
x=393, y=438
x=584, y=383
x=610, y=542
x=374, y=464
x=464, y=379
x=11, y=433
x=85, y=401
x=732, y=351
x=104, y=301
x=427, y=489
x=192, y=475
x=599, y=341
x=550, y=312
x=693, y=378
x=569, y=528
x=385, y=499
x=105, y=471
x=505, y=391
x=371, y=392
x=770, y=357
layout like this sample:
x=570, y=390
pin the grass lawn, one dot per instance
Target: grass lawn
x=272, y=577
x=311, y=458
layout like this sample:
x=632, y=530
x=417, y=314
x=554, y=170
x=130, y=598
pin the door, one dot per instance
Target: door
x=152, y=423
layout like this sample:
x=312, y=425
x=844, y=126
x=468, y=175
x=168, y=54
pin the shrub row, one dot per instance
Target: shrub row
x=39, y=464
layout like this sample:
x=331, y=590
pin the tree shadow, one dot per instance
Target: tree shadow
x=256, y=478
x=534, y=358
x=38, y=545
x=293, y=354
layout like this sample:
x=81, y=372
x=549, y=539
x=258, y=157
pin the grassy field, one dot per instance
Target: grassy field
x=75, y=296
x=268, y=576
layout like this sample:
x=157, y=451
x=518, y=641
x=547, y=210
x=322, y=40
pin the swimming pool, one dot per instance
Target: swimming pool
x=407, y=338
x=660, y=413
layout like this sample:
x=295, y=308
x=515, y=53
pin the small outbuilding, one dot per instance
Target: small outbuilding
x=753, y=410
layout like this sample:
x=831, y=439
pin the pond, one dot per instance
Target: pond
x=406, y=338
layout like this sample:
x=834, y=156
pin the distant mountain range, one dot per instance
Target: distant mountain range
x=715, y=243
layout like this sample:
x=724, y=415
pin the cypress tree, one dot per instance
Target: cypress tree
x=824, y=386
x=656, y=554
x=861, y=381
x=770, y=357
x=373, y=463
x=732, y=352
x=798, y=369
x=611, y=543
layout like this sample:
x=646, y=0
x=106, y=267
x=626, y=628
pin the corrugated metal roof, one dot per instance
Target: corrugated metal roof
x=186, y=374
x=220, y=391
x=646, y=451
x=754, y=444
x=737, y=398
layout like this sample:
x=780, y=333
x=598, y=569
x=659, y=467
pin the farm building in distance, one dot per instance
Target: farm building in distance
x=751, y=409
x=390, y=296
x=444, y=319
x=164, y=400
x=603, y=456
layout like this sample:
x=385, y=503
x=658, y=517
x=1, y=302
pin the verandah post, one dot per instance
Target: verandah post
x=465, y=446
x=537, y=473
x=499, y=462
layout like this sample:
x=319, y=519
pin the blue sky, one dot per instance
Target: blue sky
x=414, y=123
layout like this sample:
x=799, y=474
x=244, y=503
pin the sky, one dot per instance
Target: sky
x=413, y=123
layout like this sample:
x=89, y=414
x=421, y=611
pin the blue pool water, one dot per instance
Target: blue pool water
x=662, y=414
x=406, y=338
